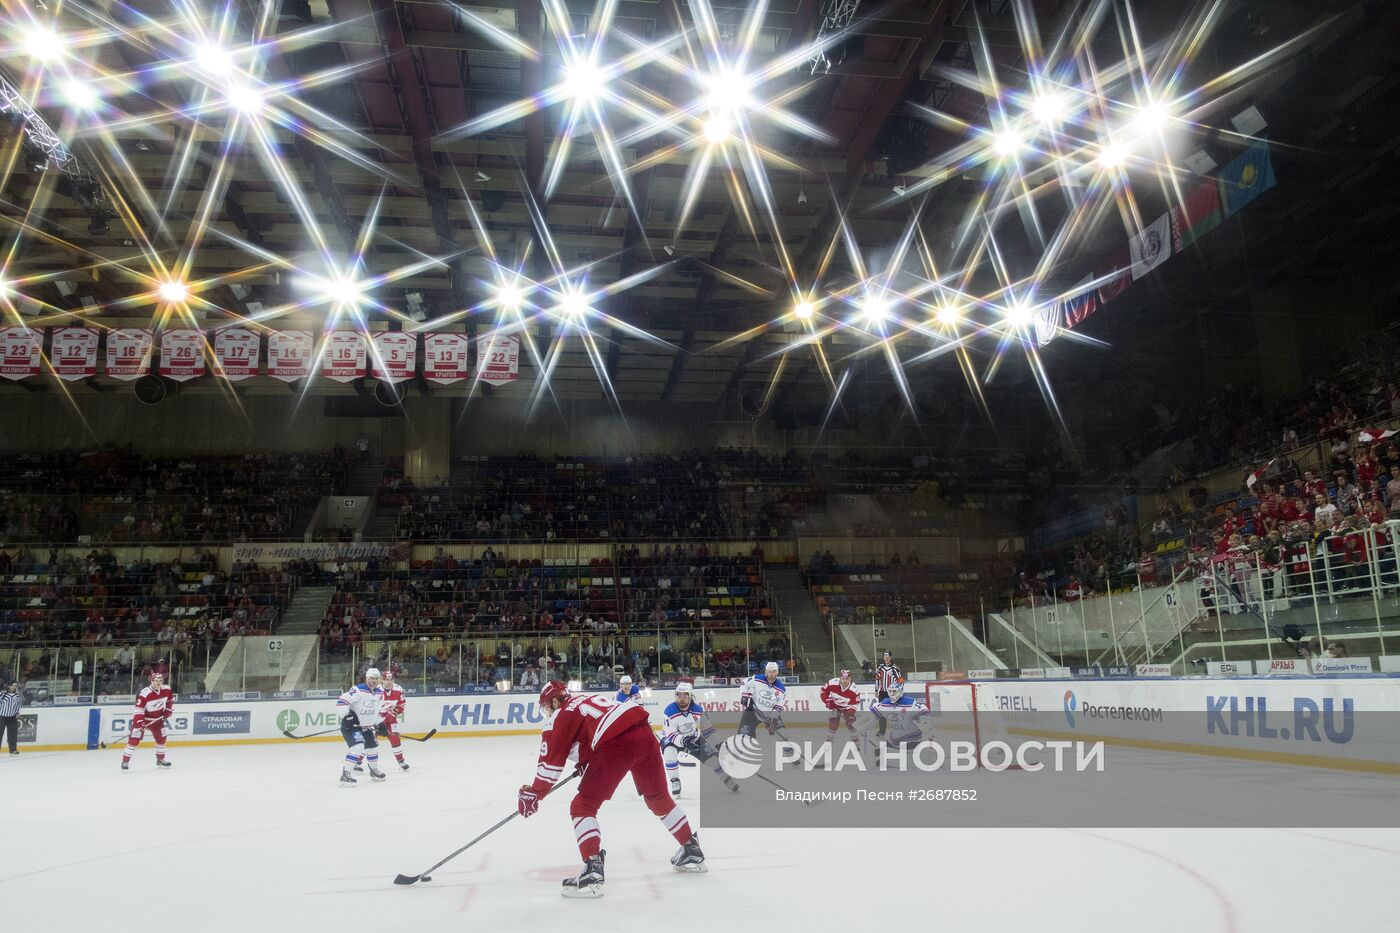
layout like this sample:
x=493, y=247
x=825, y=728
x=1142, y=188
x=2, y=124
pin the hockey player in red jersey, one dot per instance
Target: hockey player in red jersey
x=843, y=700
x=610, y=740
x=390, y=712
x=154, y=706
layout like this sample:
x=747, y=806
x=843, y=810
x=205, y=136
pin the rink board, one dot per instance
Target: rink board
x=1109, y=710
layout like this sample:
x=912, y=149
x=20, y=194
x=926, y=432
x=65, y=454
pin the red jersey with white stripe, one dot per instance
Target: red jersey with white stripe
x=576, y=729
x=394, y=703
x=835, y=696
x=154, y=704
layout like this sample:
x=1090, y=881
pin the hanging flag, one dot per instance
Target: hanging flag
x=1048, y=318
x=129, y=353
x=343, y=355
x=1113, y=275
x=73, y=353
x=1249, y=176
x=20, y=351
x=395, y=355
x=1083, y=302
x=1256, y=475
x=289, y=354
x=1198, y=213
x=498, y=359
x=236, y=353
x=1152, y=246
x=182, y=354
x=1371, y=435
x=445, y=358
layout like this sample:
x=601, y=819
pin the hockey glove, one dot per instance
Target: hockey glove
x=527, y=801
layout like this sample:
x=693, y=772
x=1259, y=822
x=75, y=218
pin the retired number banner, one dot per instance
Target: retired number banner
x=20, y=350
x=129, y=353
x=182, y=354
x=395, y=355
x=289, y=354
x=445, y=358
x=343, y=356
x=236, y=353
x=73, y=353
x=498, y=359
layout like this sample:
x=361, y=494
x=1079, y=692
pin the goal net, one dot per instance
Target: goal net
x=964, y=710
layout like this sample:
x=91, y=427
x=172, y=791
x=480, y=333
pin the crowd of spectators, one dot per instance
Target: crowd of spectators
x=98, y=601
x=527, y=662
x=115, y=496
x=687, y=586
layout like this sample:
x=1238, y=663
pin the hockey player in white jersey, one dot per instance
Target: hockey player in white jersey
x=904, y=718
x=763, y=697
x=686, y=727
x=359, y=708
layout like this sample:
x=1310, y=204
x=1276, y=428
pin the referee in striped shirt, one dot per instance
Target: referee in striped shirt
x=10, y=702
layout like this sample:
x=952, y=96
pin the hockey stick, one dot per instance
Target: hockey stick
x=309, y=735
x=427, y=874
x=124, y=741
x=420, y=738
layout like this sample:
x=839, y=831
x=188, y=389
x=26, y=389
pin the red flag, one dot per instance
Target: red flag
x=1114, y=274
x=1256, y=475
x=1371, y=435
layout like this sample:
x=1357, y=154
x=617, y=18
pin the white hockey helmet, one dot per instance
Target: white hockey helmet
x=771, y=666
x=624, y=680
x=895, y=690
x=372, y=674
x=686, y=688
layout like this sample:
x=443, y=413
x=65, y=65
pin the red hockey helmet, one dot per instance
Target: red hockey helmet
x=553, y=690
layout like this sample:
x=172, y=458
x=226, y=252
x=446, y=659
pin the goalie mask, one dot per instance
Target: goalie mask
x=895, y=691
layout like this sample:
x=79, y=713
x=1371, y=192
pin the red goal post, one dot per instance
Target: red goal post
x=964, y=709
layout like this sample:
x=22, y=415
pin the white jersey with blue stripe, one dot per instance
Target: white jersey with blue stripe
x=364, y=701
x=757, y=693
x=624, y=695
x=904, y=718
x=678, y=725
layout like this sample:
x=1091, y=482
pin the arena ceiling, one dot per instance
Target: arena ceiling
x=743, y=183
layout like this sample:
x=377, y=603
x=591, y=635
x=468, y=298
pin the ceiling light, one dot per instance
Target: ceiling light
x=482, y=176
x=726, y=91
x=509, y=298
x=804, y=310
x=173, y=292
x=669, y=249
x=875, y=308
x=214, y=60
x=948, y=314
x=1019, y=314
x=43, y=44
x=900, y=189
x=344, y=292
x=584, y=80
x=245, y=99
x=718, y=129
x=1008, y=143
x=1049, y=107
x=1112, y=155
x=573, y=305
x=80, y=95
x=801, y=193
x=1152, y=117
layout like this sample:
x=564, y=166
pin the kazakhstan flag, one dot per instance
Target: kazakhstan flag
x=1247, y=177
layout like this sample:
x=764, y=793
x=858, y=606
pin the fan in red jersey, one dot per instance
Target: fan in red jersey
x=153, y=708
x=841, y=697
x=610, y=740
x=390, y=712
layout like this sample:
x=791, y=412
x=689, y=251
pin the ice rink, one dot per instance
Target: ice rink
x=262, y=833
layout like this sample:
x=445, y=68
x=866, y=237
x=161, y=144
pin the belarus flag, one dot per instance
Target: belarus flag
x=1198, y=213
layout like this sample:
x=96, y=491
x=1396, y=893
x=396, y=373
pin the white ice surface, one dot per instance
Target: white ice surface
x=262, y=834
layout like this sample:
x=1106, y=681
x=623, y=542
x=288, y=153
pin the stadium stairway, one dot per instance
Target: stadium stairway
x=810, y=634
x=364, y=476
x=305, y=612
x=383, y=524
